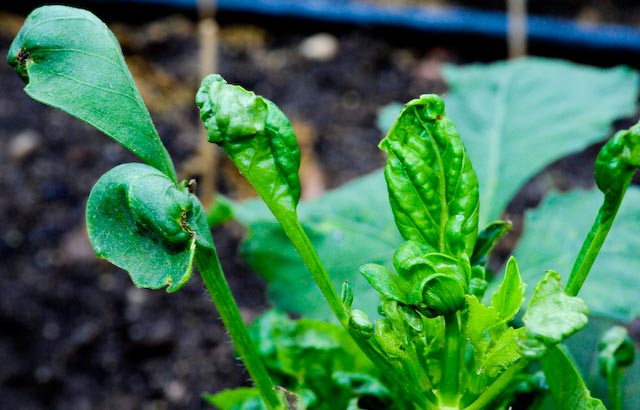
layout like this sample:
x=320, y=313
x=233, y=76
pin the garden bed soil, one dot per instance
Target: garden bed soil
x=74, y=332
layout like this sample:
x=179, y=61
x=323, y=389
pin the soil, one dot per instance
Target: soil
x=74, y=332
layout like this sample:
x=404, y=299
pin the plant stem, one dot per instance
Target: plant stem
x=449, y=386
x=307, y=252
x=614, y=388
x=211, y=272
x=498, y=386
x=594, y=241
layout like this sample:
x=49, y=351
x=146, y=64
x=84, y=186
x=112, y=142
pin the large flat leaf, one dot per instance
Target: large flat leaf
x=552, y=238
x=71, y=61
x=350, y=226
x=515, y=118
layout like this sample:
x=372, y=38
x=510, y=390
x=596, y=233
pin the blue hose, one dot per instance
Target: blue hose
x=431, y=19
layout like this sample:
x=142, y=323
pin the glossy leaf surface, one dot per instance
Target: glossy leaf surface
x=563, y=220
x=71, y=61
x=138, y=220
x=510, y=294
x=433, y=189
x=258, y=138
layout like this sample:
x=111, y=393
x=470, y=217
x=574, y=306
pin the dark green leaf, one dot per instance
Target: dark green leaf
x=140, y=221
x=258, y=138
x=487, y=239
x=563, y=221
x=551, y=316
x=565, y=382
x=433, y=189
x=71, y=61
x=517, y=117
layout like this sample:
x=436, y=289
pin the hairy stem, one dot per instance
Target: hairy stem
x=594, y=241
x=211, y=272
x=449, y=385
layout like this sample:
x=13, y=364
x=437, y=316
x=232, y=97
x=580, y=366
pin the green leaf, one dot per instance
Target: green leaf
x=242, y=398
x=433, y=189
x=386, y=282
x=551, y=316
x=349, y=227
x=565, y=382
x=517, y=117
x=509, y=297
x=487, y=239
x=258, y=138
x=563, y=221
x=71, y=61
x=141, y=222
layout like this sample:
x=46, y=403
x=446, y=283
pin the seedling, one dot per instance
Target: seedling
x=436, y=345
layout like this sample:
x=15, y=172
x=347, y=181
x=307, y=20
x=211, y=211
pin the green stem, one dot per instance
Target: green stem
x=211, y=272
x=614, y=388
x=307, y=252
x=449, y=386
x=594, y=241
x=498, y=386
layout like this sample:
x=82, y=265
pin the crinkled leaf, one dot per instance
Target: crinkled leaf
x=565, y=382
x=433, y=189
x=141, y=222
x=502, y=352
x=510, y=294
x=517, y=117
x=71, y=61
x=479, y=319
x=551, y=315
x=564, y=220
x=348, y=226
x=257, y=136
x=617, y=162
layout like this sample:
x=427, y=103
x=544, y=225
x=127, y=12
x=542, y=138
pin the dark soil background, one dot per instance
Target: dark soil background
x=74, y=333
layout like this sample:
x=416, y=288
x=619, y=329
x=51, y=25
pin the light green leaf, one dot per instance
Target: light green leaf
x=503, y=352
x=388, y=283
x=563, y=221
x=517, y=117
x=479, y=319
x=551, y=316
x=71, y=61
x=242, y=398
x=140, y=221
x=565, y=382
x=433, y=189
x=349, y=227
x=509, y=297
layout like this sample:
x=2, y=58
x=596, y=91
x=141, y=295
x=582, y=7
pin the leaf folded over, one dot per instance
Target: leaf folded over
x=71, y=61
x=256, y=135
x=432, y=186
x=141, y=222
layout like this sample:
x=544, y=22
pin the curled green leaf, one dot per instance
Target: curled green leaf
x=432, y=186
x=256, y=135
x=617, y=161
x=487, y=239
x=70, y=60
x=140, y=221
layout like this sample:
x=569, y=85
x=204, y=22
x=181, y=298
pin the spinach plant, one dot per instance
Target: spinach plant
x=436, y=345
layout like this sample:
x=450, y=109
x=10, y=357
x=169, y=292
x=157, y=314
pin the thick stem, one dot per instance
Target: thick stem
x=593, y=242
x=211, y=272
x=449, y=384
x=498, y=386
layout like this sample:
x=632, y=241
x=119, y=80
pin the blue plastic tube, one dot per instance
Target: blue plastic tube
x=431, y=19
